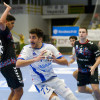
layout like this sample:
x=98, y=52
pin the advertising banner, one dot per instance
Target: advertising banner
x=65, y=30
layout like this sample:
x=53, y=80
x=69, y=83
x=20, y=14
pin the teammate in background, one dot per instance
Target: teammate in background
x=8, y=68
x=88, y=59
x=45, y=80
x=73, y=57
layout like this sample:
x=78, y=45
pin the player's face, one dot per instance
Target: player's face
x=10, y=24
x=72, y=41
x=83, y=33
x=35, y=41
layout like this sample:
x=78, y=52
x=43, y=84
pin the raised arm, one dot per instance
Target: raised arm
x=3, y=17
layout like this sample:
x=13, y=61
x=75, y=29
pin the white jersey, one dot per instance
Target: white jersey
x=41, y=70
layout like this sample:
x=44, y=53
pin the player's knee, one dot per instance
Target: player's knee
x=19, y=91
x=70, y=96
x=75, y=74
x=82, y=90
x=55, y=98
x=12, y=92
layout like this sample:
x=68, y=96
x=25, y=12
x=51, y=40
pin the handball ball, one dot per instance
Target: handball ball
x=48, y=53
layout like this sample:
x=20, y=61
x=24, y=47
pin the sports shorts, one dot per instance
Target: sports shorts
x=53, y=85
x=87, y=78
x=13, y=76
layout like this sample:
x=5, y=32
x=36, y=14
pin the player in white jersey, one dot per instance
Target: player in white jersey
x=45, y=80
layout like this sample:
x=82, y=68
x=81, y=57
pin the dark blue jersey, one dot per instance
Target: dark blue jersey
x=7, y=51
x=86, y=54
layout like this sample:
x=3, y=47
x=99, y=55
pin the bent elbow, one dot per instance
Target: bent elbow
x=17, y=65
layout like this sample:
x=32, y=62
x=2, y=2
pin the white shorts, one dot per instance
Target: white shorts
x=54, y=85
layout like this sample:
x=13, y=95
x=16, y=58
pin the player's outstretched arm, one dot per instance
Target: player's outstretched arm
x=3, y=17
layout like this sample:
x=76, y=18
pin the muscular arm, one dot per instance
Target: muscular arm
x=61, y=61
x=95, y=65
x=3, y=17
x=23, y=63
x=97, y=62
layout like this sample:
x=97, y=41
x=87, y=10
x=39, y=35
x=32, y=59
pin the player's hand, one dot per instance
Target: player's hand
x=6, y=5
x=92, y=69
x=68, y=64
x=40, y=57
x=53, y=58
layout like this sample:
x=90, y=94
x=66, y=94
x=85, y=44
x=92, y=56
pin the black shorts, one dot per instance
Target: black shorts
x=87, y=78
x=13, y=76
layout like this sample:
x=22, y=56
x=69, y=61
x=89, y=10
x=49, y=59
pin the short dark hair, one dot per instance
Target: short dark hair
x=10, y=18
x=83, y=28
x=73, y=37
x=37, y=31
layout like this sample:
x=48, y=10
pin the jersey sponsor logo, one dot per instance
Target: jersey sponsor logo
x=44, y=65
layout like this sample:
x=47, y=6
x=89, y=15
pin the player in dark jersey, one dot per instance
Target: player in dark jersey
x=8, y=69
x=73, y=57
x=88, y=59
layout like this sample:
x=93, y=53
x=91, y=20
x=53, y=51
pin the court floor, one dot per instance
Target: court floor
x=30, y=93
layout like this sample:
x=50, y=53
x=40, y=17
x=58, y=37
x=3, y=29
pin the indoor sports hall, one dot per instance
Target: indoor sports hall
x=59, y=19
x=30, y=93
